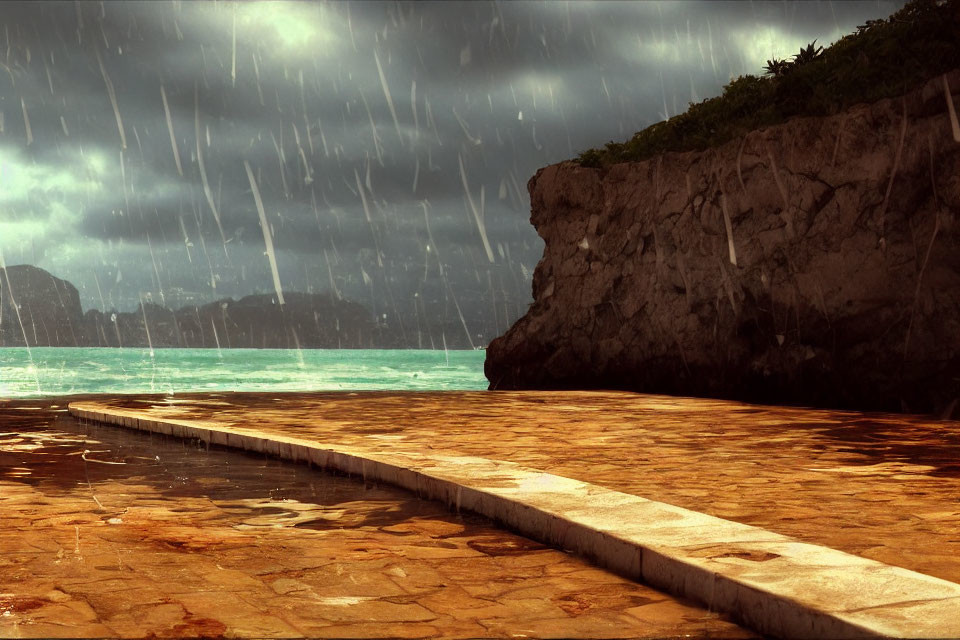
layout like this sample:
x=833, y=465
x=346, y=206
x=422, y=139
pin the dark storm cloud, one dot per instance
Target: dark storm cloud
x=499, y=89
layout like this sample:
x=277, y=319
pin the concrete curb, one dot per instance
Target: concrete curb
x=774, y=584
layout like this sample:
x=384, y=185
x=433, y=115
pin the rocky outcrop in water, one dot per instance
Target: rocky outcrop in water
x=257, y=321
x=37, y=308
x=813, y=262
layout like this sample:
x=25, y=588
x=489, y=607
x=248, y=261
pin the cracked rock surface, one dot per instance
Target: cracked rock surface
x=812, y=262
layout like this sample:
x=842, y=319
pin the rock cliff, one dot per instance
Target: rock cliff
x=813, y=262
x=37, y=308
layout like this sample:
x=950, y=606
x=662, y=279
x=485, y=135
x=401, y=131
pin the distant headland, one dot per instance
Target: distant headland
x=39, y=309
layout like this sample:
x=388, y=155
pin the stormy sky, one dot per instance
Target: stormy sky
x=389, y=143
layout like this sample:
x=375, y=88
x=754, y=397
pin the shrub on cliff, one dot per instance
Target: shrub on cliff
x=885, y=58
x=777, y=67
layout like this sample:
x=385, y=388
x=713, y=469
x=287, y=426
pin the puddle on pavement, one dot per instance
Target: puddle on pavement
x=115, y=532
x=928, y=447
x=883, y=486
x=56, y=453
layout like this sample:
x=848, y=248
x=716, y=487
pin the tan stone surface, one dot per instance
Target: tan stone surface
x=882, y=486
x=773, y=583
x=107, y=532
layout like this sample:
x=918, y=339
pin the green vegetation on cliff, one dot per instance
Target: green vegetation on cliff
x=885, y=58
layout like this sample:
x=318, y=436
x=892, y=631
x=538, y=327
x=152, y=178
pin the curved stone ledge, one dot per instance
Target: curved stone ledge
x=769, y=582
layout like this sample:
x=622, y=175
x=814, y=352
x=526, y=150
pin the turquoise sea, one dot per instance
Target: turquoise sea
x=47, y=371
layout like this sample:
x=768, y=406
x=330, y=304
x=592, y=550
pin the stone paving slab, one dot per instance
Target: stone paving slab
x=775, y=584
x=880, y=486
x=107, y=532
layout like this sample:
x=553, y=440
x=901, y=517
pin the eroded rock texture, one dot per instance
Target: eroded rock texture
x=813, y=262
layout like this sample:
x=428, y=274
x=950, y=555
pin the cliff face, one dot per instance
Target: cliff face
x=813, y=262
x=48, y=307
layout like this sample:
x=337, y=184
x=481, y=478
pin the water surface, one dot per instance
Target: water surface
x=57, y=371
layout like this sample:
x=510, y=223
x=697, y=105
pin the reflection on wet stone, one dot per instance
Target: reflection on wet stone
x=883, y=486
x=116, y=533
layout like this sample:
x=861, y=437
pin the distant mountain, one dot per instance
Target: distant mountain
x=39, y=309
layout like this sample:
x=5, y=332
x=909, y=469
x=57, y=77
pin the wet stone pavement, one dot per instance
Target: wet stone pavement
x=108, y=532
x=880, y=486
